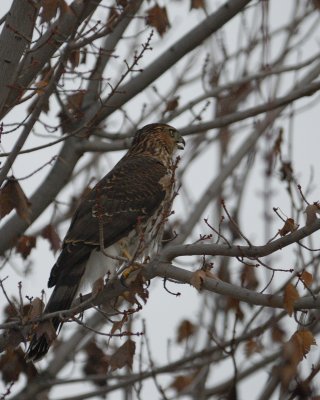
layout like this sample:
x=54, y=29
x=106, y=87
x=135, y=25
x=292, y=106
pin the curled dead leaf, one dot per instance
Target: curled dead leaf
x=294, y=350
x=286, y=171
x=13, y=197
x=249, y=278
x=185, y=330
x=234, y=304
x=137, y=288
x=74, y=102
x=288, y=227
x=311, y=212
x=181, y=382
x=197, y=4
x=158, y=18
x=50, y=9
x=172, y=104
x=41, y=85
x=277, y=145
x=290, y=296
x=97, y=362
x=25, y=244
x=74, y=58
x=277, y=333
x=306, y=278
x=36, y=309
x=252, y=346
x=123, y=355
x=117, y=325
x=303, y=340
x=13, y=363
x=49, y=233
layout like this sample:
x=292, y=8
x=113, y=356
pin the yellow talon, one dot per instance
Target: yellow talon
x=129, y=270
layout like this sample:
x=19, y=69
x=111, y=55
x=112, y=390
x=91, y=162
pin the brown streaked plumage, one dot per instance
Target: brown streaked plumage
x=124, y=212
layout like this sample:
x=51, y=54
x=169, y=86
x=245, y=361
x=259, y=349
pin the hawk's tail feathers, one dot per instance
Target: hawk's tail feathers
x=45, y=333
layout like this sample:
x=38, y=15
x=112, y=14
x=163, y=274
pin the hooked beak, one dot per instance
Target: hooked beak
x=180, y=142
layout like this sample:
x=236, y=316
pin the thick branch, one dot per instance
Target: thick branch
x=161, y=266
x=61, y=173
x=214, y=188
x=109, y=46
x=207, y=355
x=171, y=56
x=15, y=37
x=47, y=45
x=219, y=122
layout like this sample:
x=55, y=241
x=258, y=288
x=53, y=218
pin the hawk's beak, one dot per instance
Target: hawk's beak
x=180, y=141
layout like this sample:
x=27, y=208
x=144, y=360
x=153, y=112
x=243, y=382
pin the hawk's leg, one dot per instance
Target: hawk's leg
x=133, y=266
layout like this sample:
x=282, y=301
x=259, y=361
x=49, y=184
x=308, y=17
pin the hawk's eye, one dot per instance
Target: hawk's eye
x=171, y=131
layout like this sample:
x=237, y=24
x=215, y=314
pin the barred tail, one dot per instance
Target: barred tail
x=45, y=333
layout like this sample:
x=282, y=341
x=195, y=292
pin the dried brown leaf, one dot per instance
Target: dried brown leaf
x=294, y=350
x=306, y=278
x=172, y=104
x=117, y=325
x=234, y=304
x=97, y=362
x=64, y=7
x=249, y=278
x=14, y=338
x=277, y=333
x=49, y=233
x=278, y=143
x=288, y=227
x=10, y=311
x=158, y=18
x=123, y=356
x=12, y=363
x=290, y=296
x=286, y=171
x=74, y=58
x=74, y=102
x=45, y=105
x=13, y=197
x=316, y=4
x=197, y=4
x=185, y=330
x=25, y=244
x=181, y=382
x=252, y=346
x=303, y=340
x=49, y=9
x=74, y=106
x=40, y=87
x=137, y=288
x=311, y=212
x=37, y=307
x=10, y=366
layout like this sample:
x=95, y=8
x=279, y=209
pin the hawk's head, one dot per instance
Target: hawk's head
x=160, y=140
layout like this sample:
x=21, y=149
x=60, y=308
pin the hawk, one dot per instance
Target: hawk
x=122, y=216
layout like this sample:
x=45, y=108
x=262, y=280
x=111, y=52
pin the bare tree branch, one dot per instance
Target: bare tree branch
x=15, y=38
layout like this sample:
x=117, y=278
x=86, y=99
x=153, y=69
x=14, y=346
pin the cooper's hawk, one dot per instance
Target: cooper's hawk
x=124, y=213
